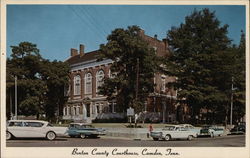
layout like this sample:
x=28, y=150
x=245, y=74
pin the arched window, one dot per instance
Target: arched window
x=77, y=85
x=88, y=83
x=99, y=79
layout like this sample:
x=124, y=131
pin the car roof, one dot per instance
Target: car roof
x=41, y=121
x=80, y=124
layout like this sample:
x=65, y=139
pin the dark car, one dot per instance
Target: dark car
x=239, y=129
x=211, y=131
x=84, y=130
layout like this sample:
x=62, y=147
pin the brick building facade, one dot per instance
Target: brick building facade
x=86, y=74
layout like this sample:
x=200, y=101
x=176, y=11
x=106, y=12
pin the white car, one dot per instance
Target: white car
x=32, y=129
x=173, y=132
x=191, y=128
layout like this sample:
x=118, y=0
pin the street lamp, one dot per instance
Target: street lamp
x=231, y=109
x=16, y=97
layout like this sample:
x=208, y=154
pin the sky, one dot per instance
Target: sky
x=55, y=29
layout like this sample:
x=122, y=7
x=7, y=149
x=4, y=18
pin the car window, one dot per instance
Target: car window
x=89, y=126
x=33, y=124
x=72, y=125
x=16, y=124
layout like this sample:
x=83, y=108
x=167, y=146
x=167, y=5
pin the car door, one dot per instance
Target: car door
x=182, y=133
x=72, y=130
x=17, y=129
x=34, y=129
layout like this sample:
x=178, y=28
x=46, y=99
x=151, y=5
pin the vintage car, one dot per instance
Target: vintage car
x=84, y=130
x=173, y=132
x=239, y=129
x=191, y=128
x=32, y=129
x=211, y=131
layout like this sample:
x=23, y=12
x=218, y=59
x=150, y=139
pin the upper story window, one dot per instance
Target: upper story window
x=163, y=83
x=99, y=79
x=88, y=83
x=155, y=49
x=77, y=85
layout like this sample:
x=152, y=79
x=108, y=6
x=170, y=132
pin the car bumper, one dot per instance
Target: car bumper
x=156, y=135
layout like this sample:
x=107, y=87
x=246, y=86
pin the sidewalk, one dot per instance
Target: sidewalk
x=128, y=133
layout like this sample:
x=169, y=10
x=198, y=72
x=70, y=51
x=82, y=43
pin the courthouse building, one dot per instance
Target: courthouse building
x=86, y=75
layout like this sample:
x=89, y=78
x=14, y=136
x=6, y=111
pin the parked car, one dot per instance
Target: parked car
x=173, y=132
x=32, y=129
x=239, y=129
x=191, y=128
x=84, y=130
x=211, y=131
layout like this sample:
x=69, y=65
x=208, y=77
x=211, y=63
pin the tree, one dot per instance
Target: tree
x=55, y=75
x=239, y=80
x=40, y=82
x=25, y=65
x=202, y=62
x=130, y=54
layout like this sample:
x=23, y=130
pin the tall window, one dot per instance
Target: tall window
x=163, y=83
x=88, y=83
x=99, y=79
x=77, y=85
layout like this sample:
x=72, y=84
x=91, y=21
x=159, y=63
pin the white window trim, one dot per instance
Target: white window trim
x=98, y=80
x=77, y=91
x=85, y=83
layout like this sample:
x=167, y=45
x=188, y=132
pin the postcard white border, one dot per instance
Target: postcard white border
x=65, y=152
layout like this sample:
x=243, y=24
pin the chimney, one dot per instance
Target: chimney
x=155, y=36
x=81, y=50
x=73, y=52
x=165, y=43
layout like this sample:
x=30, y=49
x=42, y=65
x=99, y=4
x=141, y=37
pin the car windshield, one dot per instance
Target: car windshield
x=169, y=128
x=79, y=126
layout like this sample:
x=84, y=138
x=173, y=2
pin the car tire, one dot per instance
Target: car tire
x=8, y=136
x=51, y=135
x=155, y=139
x=168, y=137
x=82, y=135
x=190, y=137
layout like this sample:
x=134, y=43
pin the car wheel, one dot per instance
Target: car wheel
x=167, y=137
x=190, y=137
x=51, y=135
x=8, y=136
x=82, y=135
x=155, y=139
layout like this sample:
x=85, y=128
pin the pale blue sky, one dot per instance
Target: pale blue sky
x=57, y=28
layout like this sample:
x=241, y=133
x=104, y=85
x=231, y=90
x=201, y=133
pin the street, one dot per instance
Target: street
x=224, y=141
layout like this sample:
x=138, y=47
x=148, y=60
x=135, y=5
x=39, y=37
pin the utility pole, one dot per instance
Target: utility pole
x=15, y=97
x=137, y=86
x=231, y=109
x=137, y=79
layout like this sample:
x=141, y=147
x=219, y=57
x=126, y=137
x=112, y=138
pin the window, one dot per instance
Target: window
x=19, y=124
x=77, y=85
x=99, y=79
x=33, y=124
x=88, y=83
x=163, y=83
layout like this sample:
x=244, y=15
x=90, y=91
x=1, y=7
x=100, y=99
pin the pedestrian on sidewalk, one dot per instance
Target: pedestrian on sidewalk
x=150, y=129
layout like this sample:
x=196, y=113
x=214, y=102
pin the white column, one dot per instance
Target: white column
x=84, y=111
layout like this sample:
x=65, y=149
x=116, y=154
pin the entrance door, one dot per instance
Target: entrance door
x=88, y=110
